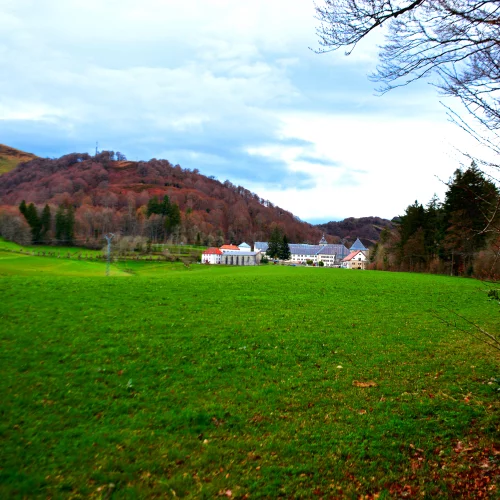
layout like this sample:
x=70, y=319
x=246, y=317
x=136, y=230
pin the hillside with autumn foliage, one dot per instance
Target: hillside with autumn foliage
x=10, y=158
x=107, y=193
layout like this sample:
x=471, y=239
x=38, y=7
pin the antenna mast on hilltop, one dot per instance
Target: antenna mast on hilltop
x=96, y=144
x=108, y=237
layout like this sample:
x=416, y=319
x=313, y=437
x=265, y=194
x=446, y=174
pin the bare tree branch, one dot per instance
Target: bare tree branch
x=458, y=40
x=482, y=335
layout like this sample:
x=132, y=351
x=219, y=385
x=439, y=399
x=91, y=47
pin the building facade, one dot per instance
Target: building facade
x=211, y=256
x=229, y=248
x=355, y=260
x=240, y=258
x=330, y=254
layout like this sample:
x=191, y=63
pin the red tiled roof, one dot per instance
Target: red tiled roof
x=351, y=256
x=212, y=250
x=229, y=247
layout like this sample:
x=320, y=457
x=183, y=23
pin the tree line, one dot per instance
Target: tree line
x=459, y=236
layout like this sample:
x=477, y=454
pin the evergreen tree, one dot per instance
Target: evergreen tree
x=275, y=242
x=434, y=226
x=165, y=206
x=173, y=219
x=33, y=219
x=411, y=221
x=60, y=224
x=154, y=206
x=22, y=207
x=70, y=224
x=45, y=220
x=284, y=249
x=469, y=205
x=65, y=224
x=169, y=211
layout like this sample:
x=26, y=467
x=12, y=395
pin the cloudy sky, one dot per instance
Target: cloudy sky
x=228, y=87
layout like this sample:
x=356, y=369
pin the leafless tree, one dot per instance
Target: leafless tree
x=459, y=40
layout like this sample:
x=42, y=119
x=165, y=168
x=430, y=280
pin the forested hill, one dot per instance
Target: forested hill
x=109, y=193
x=10, y=158
x=368, y=229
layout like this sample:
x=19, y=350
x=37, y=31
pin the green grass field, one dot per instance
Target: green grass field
x=184, y=253
x=243, y=382
x=73, y=251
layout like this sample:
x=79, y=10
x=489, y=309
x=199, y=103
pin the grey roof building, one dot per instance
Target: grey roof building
x=303, y=251
x=260, y=246
x=357, y=245
x=240, y=258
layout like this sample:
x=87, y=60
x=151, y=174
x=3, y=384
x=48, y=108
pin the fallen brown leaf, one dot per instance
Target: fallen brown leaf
x=371, y=383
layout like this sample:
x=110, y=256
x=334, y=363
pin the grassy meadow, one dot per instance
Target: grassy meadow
x=163, y=380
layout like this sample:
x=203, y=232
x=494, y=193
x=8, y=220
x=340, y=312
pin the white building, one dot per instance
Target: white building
x=240, y=258
x=211, y=256
x=355, y=260
x=328, y=253
x=229, y=248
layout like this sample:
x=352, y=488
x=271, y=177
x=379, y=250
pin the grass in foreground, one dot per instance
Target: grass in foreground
x=264, y=382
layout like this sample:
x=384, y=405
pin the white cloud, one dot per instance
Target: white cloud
x=381, y=165
x=228, y=87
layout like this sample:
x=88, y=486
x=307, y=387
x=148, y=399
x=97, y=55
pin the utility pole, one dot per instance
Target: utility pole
x=108, y=237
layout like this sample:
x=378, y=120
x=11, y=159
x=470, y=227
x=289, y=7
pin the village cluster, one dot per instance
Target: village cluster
x=330, y=255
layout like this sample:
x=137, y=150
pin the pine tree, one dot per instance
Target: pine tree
x=434, y=226
x=45, y=220
x=469, y=204
x=275, y=242
x=60, y=224
x=70, y=224
x=411, y=221
x=22, y=208
x=165, y=206
x=31, y=216
x=154, y=206
x=284, y=249
x=174, y=217
x=65, y=224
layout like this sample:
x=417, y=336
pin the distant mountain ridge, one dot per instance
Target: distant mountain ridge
x=367, y=229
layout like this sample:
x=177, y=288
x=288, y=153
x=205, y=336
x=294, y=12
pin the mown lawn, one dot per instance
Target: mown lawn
x=245, y=382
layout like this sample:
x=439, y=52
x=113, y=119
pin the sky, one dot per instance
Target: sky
x=230, y=88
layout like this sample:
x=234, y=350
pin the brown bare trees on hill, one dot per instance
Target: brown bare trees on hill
x=112, y=196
